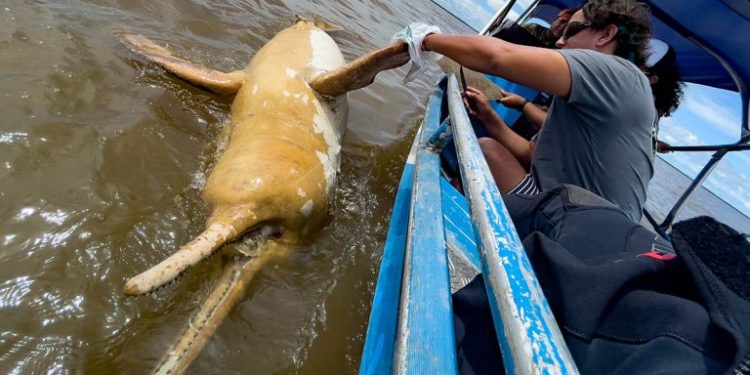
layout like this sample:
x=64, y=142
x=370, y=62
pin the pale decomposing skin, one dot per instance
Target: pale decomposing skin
x=279, y=167
x=285, y=138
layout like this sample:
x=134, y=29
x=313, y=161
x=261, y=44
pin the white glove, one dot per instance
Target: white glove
x=413, y=35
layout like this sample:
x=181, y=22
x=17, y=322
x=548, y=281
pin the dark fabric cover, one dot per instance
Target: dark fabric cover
x=625, y=301
x=519, y=35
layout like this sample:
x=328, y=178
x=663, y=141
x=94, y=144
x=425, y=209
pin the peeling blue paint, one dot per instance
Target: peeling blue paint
x=426, y=342
x=530, y=339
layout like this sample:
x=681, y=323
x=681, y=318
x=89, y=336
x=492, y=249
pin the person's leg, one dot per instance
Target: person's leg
x=505, y=168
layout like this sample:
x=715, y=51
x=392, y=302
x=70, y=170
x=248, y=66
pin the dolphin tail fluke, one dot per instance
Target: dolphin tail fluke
x=228, y=290
x=196, y=250
x=360, y=72
x=213, y=80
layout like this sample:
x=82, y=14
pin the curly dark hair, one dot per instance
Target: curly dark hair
x=632, y=21
x=668, y=88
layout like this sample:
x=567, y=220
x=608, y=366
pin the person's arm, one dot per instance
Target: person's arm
x=540, y=68
x=535, y=114
x=497, y=129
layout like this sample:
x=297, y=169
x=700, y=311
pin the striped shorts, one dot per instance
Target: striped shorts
x=527, y=186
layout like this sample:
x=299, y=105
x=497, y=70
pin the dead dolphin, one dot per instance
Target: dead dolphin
x=279, y=167
x=283, y=153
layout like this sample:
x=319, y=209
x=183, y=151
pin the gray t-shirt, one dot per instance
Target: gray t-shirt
x=600, y=137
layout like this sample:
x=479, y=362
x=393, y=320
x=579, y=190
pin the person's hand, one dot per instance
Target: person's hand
x=482, y=109
x=512, y=101
x=663, y=147
x=413, y=35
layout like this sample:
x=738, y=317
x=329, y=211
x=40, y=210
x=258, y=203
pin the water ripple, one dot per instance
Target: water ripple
x=104, y=157
x=13, y=137
x=13, y=291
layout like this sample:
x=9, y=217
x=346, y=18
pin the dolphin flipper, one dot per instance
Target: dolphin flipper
x=218, y=82
x=360, y=72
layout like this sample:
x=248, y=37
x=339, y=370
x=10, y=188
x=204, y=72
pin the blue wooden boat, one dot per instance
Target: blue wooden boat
x=439, y=238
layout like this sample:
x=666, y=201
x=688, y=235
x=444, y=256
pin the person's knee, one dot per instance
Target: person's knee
x=488, y=145
x=494, y=150
x=505, y=168
x=487, y=141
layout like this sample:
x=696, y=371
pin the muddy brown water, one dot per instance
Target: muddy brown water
x=102, y=157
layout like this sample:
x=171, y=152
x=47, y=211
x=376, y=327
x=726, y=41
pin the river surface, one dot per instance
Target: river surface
x=101, y=161
x=102, y=157
x=669, y=184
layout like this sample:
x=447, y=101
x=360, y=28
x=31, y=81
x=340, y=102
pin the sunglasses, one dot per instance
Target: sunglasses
x=574, y=28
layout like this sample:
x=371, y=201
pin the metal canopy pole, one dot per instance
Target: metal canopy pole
x=666, y=225
x=499, y=17
x=732, y=147
x=530, y=340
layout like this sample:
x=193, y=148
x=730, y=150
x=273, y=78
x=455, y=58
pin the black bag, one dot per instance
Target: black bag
x=625, y=301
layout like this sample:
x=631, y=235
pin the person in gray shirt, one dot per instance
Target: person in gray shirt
x=600, y=137
x=598, y=131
